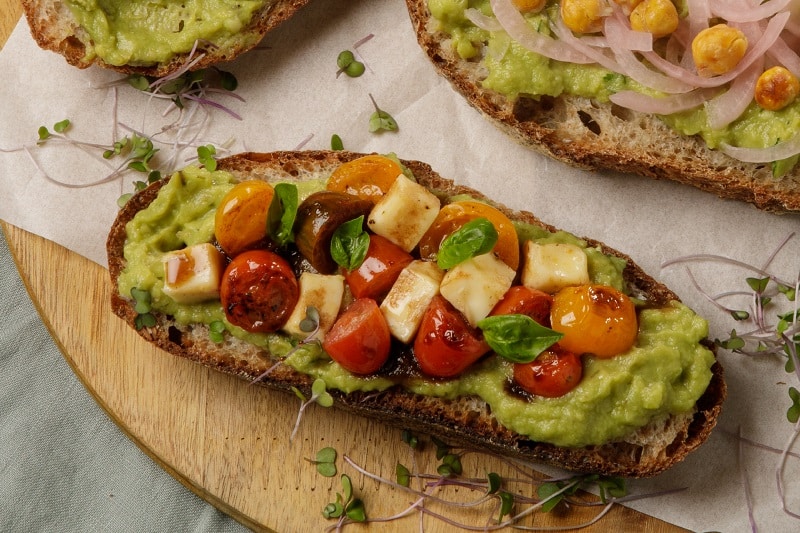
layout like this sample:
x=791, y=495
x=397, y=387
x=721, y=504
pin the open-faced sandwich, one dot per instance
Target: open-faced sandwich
x=153, y=38
x=698, y=91
x=418, y=302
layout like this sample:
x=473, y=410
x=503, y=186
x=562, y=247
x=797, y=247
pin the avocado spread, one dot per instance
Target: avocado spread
x=145, y=32
x=513, y=70
x=664, y=373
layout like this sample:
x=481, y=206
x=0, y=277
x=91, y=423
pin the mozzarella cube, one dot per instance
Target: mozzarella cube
x=553, y=266
x=193, y=274
x=476, y=285
x=404, y=213
x=324, y=293
x=409, y=297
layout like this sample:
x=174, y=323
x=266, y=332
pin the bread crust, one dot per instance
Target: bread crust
x=601, y=136
x=54, y=28
x=465, y=421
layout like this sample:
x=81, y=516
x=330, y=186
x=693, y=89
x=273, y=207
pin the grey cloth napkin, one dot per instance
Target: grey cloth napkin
x=64, y=464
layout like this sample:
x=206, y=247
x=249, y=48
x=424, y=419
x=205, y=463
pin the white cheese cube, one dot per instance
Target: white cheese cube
x=404, y=213
x=476, y=285
x=553, y=266
x=324, y=293
x=409, y=297
x=193, y=274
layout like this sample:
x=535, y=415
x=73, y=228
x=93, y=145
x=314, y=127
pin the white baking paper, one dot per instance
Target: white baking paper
x=292, y=97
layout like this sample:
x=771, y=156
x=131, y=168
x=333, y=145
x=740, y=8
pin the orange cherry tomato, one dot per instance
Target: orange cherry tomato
x=241, y=218
x=379, y=270
x=453, y=216
x=595, y=319
x=522, y=300
x=367, y=177
x=359, y=339
x=554, y=373
x=446, y=344
x=258, y=291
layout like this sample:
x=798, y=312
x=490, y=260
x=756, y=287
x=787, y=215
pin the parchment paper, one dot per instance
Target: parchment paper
x=292, y=97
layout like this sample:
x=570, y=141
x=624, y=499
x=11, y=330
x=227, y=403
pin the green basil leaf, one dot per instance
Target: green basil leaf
x=350, y=243
x=518, y=338
x=282, y=212
x=476, y=237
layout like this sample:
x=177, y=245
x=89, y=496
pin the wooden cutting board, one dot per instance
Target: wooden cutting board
x=224, y=440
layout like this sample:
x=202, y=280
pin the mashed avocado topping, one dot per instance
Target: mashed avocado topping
x=664, y=373
x=145, y=32
x=512, y=70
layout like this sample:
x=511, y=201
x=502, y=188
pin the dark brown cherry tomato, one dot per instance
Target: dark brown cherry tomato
x=380, y=269
x=446, y=344
x=554, y=373
x=359, y=339
x=595, y=319
x=258, y=291
x=317, y=218
x=522, y=300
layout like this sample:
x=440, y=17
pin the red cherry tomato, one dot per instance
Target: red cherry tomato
x=595, y=319
x=521, y=300
x=380, y=269
x=359, y=339
x=446, y=344
x=258, y=291
x=554, y=373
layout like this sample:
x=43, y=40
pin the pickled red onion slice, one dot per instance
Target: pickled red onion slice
x=728, y=106
x=661, y=105
x=517, y=28
x=747, y=11
x=780, y=151
x=482, y=21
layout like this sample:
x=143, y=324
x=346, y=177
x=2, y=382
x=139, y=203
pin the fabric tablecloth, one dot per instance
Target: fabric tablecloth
x=64, y=465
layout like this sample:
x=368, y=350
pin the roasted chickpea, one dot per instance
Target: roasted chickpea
x=529, y=6
x=776, y=88
x=718, y=49
x=659, y=17
x=584, y=16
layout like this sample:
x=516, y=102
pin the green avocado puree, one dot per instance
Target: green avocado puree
x=664, y=373
x=145, y=32
x=514, y=71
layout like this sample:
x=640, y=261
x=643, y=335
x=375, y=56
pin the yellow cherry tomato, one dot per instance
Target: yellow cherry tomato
x=241, y=218
x=367, y=177
x=595, y=319
x=453, y=216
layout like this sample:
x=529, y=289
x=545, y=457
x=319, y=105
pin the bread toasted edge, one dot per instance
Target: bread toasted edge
x=466, y=421
x=54, y=28
x=601, y=136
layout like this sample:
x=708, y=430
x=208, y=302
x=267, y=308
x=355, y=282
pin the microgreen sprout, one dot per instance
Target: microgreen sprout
x=310, y=325
x=326, y=462
x=347, y=63
x=380, y=120
x=205, y=155
x=346, y=505
x=336, y=143
x=142, y=305
x=319, y=395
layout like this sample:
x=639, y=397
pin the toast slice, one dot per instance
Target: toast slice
x=595, y=135
x=54, y=27
x=464, y=421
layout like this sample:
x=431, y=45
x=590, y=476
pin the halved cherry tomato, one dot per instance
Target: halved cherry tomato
x=453, y=216
x=554, y=373
x=258, y=291
x=240, y=221
x=379, y=270
x=595, y=319
x=522, y=300
x=367, y=177
x=359, y=339
x=446, y=344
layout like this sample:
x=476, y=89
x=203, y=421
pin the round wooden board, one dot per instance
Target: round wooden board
x=224, y=440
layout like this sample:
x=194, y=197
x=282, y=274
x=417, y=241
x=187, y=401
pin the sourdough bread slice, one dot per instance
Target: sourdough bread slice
x=594, y=135
x=54, y=27
x=465, y=421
